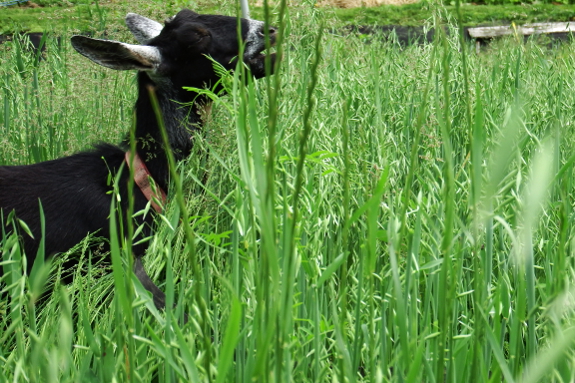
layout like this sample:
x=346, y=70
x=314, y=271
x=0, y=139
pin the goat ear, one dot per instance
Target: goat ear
x=117, y=55
x=143, y=28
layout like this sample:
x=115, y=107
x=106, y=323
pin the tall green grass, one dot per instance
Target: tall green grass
x=372, y=213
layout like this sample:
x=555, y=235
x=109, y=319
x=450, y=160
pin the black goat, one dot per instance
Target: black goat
x=74, y=190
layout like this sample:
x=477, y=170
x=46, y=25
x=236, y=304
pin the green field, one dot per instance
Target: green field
x=96, y=16
x=372, y=213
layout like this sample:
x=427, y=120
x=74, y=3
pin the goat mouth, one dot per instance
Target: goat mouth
x=262, y=55
x=255, y=56
x=255, y=51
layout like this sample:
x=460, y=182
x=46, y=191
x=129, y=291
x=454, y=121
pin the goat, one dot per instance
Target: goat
x=73, y=190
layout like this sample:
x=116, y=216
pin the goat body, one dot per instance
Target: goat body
x=74, y=190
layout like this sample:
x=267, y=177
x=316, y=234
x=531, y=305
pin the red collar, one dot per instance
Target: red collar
x=144, y=180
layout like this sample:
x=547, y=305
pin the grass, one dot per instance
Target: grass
x=93, y=16
x=371, y=214
x=472, y=14
x=82, y=16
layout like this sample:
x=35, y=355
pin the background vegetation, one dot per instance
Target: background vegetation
x=372, y=213
x=472, y=14
x=84, y=15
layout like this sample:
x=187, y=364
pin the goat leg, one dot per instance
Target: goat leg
x=158, y=295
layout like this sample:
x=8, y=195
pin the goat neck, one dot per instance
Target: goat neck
x=181, y=116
